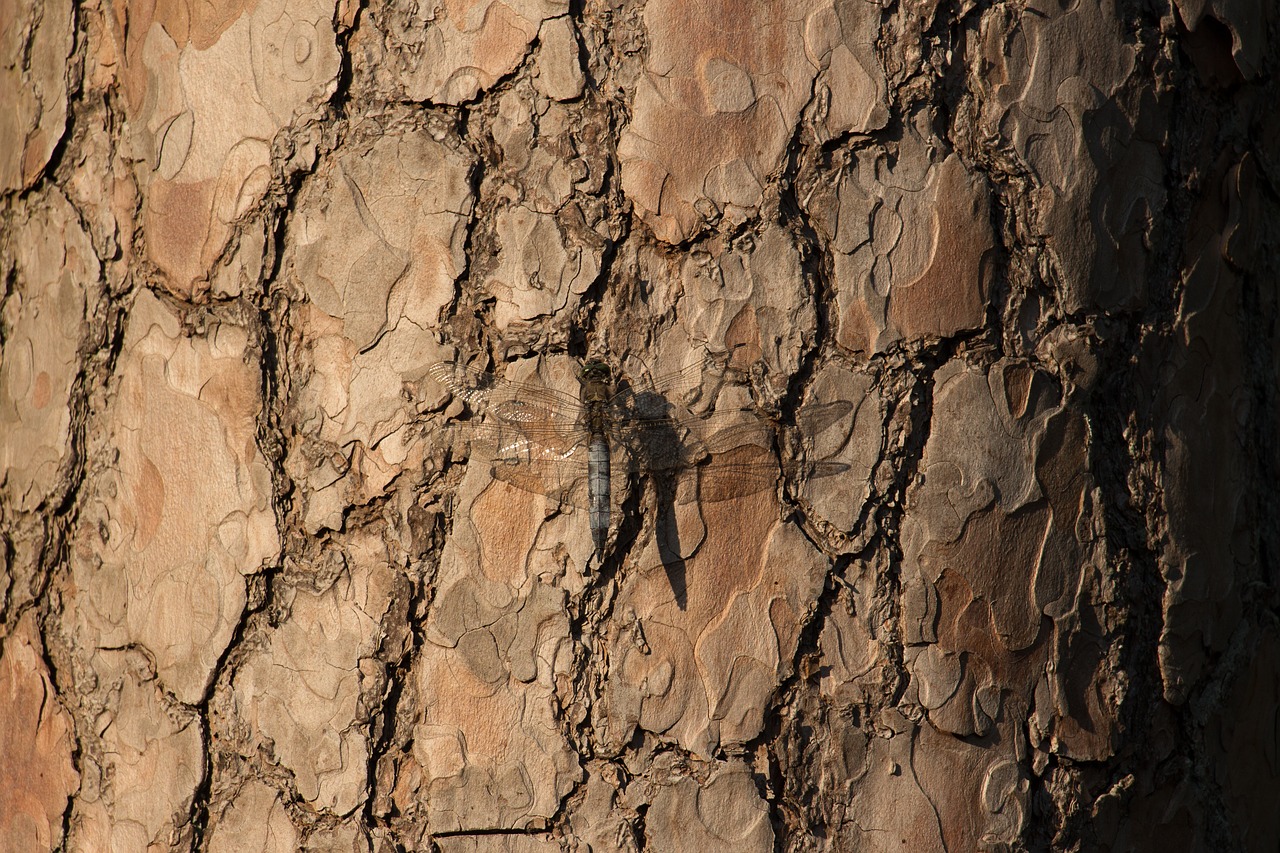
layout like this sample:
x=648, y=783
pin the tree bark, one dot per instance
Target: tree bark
x=254, y=598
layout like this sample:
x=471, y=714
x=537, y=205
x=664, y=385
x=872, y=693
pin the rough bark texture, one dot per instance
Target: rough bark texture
x=249, y=604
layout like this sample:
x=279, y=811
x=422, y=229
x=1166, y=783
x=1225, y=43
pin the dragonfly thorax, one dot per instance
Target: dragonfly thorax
x=597, y=384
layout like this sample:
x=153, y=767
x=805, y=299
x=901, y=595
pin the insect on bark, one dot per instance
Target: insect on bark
x=546, y=441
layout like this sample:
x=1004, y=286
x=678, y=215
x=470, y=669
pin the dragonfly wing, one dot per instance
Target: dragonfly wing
x=540, y=478
x=683, y=440
x=743, y=471
x=657, y=445
x=550, y=464
x=520, y=424
x=647, y=398
x=508, y=400
x=748, y=470
x=534, y=438
x=816, y=419
x=735, y=451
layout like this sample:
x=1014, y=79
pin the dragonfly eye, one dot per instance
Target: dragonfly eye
x=596, y=370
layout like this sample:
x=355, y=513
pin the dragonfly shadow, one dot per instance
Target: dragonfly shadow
x=666, y=531
x=660, y=451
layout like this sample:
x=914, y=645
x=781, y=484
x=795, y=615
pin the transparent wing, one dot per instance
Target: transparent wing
x=534, y=438
x=654, y=426
x=532, y=466
x=740, y=458
x=529, y=434
x=509, y=401
x=551, y=465
x=677, y=438
x=645, y=398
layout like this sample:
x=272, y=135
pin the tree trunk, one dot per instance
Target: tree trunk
x=1021, y=594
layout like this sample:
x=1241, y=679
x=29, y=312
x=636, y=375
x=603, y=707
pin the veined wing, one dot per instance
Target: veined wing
x=733, y=453
x=554, y=464
x=531, y=435
x=543, y=416
x=649, y=398
x=748, y=469
x=522, y=403
x=653, y=421
x=741, y=465
x=654, y=427
x=535, y=439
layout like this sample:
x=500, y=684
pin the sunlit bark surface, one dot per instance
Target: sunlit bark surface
x=250, y=599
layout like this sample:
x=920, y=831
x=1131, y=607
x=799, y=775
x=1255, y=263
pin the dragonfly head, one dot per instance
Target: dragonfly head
x=595, y=371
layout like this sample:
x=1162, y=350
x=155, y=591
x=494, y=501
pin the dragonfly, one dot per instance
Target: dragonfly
x=545, y=441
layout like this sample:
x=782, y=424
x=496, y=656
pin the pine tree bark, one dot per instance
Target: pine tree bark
x=254, y=599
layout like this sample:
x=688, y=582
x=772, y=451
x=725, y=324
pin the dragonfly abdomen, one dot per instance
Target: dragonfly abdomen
x=598, y=489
